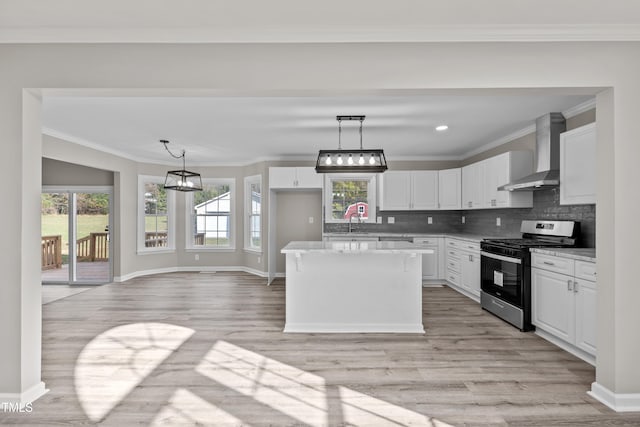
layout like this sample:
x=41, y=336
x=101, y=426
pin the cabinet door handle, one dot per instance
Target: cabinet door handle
x=548, y=263
x=471, y=258
x=569, y=285
x=575, y=287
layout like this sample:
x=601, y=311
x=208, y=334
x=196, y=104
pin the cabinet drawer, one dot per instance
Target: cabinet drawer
x=453, y=253
x=470, y=246
x=455, y=244
x=453, y=264
x=425, y=241
x=586, y=270
x=553, y=263
x=453, y=277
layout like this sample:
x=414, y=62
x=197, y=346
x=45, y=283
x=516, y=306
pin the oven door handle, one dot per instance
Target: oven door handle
x=501, y=258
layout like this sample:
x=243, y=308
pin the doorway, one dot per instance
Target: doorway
x=75, y=227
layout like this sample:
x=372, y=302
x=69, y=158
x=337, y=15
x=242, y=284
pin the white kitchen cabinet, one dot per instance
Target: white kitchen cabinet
x=578, y=166
x=500, y=170
x=450, y=189
x=563, y=298
x=472, y=187
x=294, y=178
x=463, y=266
x=409, y=190
x=431, y=262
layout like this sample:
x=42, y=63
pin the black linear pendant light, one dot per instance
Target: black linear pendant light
x=351, y=160
x=181, y=180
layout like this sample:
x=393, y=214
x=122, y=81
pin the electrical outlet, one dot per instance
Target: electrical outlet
x=391, y=220
x=310, y=220
x=197, y=257
x=463, y=219
x=498, y=222
x=429, y=220
x=379, y=220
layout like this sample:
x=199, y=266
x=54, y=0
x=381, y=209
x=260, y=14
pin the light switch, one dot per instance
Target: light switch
x=310, y=220
x=379, y=220
x=429, y=220
x=391, y=220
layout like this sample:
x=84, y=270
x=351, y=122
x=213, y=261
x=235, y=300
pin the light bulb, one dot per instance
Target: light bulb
x=339, y=161
x=179, y=183
x=372, y=161
x=328, y=161
x=361, y=160
x=189, y=184
x=350, y=159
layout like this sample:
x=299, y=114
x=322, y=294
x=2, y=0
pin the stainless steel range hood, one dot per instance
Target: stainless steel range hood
x=548, y=130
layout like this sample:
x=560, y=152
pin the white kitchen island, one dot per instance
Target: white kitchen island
x=354, y=287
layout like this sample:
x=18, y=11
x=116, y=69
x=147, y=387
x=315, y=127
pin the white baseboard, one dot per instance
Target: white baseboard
x=186, y=269
x=619, y=402
x=348, y=328
x=26, y=396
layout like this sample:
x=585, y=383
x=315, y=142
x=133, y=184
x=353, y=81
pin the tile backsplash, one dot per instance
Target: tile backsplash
x=546, y=205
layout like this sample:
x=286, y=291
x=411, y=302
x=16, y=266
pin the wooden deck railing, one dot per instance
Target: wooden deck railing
x=155, y=239
x=51, y=252
x=94, y=247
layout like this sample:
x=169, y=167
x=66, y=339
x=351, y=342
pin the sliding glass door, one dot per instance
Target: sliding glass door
x=76, y=247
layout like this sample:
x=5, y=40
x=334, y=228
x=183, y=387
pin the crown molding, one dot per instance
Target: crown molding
x=432, y=33
x=579, y=109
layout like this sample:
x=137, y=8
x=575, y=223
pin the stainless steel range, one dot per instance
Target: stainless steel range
x=506, y=268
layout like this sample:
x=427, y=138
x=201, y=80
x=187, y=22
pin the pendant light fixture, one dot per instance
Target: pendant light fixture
x=350, y=160
x=181, y=180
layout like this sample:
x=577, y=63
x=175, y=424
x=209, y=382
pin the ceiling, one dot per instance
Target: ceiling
x=236, y=130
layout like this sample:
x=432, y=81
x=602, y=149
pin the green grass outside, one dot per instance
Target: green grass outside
x=58, y=225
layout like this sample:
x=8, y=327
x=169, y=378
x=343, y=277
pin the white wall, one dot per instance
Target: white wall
x=365, y=68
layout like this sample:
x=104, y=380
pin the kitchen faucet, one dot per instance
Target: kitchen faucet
x=350, y=217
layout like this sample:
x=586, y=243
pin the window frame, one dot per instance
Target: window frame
x=328, y=194
x=248, y=181
x=190, y=216
x=171, y=208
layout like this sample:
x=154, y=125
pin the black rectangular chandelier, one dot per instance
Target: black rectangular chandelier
x=181, y=179
x=342, y=160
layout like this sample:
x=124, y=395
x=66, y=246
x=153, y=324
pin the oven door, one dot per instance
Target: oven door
x=502, y=277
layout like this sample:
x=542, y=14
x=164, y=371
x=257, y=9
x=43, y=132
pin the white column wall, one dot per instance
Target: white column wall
x=370, y=68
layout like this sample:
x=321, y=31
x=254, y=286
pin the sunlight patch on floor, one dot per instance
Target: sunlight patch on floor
x=116, y=361
x=187, y=409
x=289, y=390
x=362, y=409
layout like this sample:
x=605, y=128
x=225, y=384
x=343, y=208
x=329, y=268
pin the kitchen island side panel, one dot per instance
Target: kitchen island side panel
x=354, y=292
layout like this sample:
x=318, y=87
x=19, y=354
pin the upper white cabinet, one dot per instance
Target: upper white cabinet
x=409, y=190
x=480, y=181
x=472, y=194
x=294, y=177
x=500, y=170
x=578, y=165
x=450, y=189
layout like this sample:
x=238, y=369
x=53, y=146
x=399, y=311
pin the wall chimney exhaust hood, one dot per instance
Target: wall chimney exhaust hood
x=548, y=130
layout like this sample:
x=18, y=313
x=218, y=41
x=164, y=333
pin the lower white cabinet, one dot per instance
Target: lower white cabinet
x=563, y=297
x=431, y=262
x=463, y=266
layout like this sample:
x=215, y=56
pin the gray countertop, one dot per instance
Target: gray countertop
x=463, y=236
x=581, y=254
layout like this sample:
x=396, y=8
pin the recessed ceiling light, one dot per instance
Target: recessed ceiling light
x=442, y=128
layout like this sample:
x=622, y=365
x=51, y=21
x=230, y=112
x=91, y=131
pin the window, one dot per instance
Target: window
x=253, y=213
x=211, y=215
x=155, y=215
x=350, y=196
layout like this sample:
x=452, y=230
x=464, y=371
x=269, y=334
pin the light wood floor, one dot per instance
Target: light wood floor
x=207, y=349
